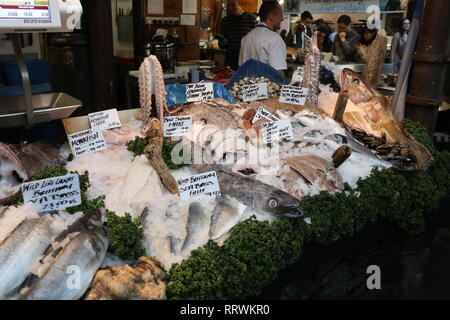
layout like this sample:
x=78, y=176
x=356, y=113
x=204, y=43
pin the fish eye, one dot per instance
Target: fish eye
x=355, y=81
x=273, y=203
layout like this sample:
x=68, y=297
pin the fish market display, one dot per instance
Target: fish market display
x=66, y=271
x=370, y=119
x=273, y=89
x=19, y=162
x=139, y=281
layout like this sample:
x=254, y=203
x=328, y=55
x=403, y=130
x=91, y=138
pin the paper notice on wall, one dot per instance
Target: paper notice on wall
x=53, y=193
x=155, y=7
x=187, y=20
x=107, y=119
x=293, y=95
x=189, y=6
x=199, y=186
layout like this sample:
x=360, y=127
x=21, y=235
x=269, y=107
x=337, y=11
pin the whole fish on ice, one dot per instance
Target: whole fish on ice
x=67, y=270
x=21, y=249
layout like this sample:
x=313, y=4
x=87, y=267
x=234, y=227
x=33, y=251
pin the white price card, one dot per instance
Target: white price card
x=107, y=119
x=199, y=186
x=264, y=114
x=53, y=193
x=202, y=91
x=255, y=91
x=177, y=126
x=87, y=141
x=277, y=131
x=293, y=95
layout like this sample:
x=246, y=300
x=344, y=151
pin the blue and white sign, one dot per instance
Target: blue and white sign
x=337, y=6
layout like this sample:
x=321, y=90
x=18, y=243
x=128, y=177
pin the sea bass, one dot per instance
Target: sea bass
x=224, y=217
x=372, y=114
x=197, y=222
x=21, y=249
x=70, y=267
x=253, y=193
x=19, y=162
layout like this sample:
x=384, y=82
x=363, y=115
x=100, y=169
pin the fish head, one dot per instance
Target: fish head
x=357, y=89
x=284, y=204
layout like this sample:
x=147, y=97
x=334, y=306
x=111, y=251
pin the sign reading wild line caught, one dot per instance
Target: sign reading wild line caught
x=337, y=6
x=53, y=193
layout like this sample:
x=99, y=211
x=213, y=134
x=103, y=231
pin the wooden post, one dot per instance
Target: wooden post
x=339, y=109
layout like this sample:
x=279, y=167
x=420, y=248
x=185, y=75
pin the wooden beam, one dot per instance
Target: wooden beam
x=139, y=27
x=101, y=55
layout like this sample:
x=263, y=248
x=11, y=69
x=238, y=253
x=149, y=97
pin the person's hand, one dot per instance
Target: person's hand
x=357, y=45
x=342, y=36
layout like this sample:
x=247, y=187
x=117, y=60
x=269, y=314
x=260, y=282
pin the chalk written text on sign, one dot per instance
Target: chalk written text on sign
x=264, y=114
x=107, y=119
x=293, y=95
x=277, y=131
x=202, y=91
x=53, y=193
x=87, y=141
x=199, y=186
x=255, y=91
x=177, y=126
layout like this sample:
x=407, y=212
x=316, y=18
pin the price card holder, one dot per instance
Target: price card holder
x=87, y=141
x=293, y=95
x=256, y=91
x=202, y=91
x=199, y=186
x=177, y=126
x=107, y=119
x=53, y=193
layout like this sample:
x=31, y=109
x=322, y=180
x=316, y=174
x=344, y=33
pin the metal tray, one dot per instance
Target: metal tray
x=47, y=107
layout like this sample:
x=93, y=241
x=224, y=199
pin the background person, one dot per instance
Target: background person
x=362, y=46
x=398, y=44
x=344, y=43
x=233, y=28
x=296, y=38
x=263, y=43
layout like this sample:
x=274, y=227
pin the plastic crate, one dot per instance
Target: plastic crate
x=39, y=71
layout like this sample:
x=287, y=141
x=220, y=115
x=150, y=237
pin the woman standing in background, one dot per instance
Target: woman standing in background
x=398, y=44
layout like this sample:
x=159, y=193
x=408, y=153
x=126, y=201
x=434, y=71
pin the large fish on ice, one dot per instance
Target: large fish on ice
x=22, y=249
x=18, y=162
x=372, y=114
x=68, y=268
x=253, y=193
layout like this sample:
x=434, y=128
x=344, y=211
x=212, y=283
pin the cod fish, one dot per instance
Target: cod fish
x=68, y=269
x=19, y=162
x=254, y=193
x=197, y=222
x=22, y=249
x=224, y=217
x=373, y=115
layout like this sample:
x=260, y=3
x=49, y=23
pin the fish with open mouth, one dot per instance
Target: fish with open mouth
x=70, y=265
x=21, y=249
x=18, y=162
x=372, y=114
x=253, y=193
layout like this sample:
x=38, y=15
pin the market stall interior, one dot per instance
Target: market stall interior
x=140, y=150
